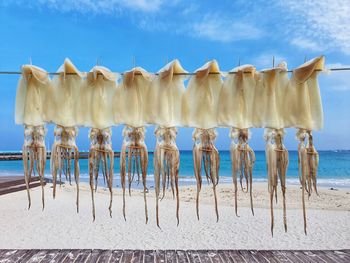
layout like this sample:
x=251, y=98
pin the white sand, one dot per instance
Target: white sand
x=59, y=226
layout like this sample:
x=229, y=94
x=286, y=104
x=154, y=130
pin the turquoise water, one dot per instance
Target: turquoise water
x=333, y=171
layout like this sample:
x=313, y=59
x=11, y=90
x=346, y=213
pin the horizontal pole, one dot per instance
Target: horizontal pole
x=178, y=74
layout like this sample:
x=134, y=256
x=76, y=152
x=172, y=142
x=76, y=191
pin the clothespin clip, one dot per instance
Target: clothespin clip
x=273, y=61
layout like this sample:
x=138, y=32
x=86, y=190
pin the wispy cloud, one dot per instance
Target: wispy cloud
x=265, y=60
x=337, y=80
x=319, y=25
x=114, y=7
x=217, y=27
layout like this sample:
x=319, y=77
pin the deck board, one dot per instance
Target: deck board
x=202, y=256
x=11, y=184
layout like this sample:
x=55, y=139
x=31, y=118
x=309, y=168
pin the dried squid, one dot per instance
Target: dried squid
x=34, y=157
x=99, y=154
x=205, y=151
x=32, y=111
x=242, y=158
x=308, y=164
x=277, y=164
x=63, y=150
x=134, y=153
x=166, y=166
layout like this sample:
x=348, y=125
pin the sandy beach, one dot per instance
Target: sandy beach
x=59, y=226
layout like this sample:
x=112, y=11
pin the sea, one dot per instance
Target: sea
x=333, y=170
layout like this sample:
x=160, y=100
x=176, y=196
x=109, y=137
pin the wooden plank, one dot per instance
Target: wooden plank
x=181, y=256
x=137, y=256
x=193, y=256
x=343, y=254
x=214, y=256
x=203, y=256
x=236, y=256
x=5, y=254
x=247, y=256
x=127, y=256
x=17, y=188
x=170, y=256
x=334, y=257
x=30, y=253
x=87, y=255
x=94, y=255
x=116, y=256
x=50, y=255
x=17, y=255
x=313, y=256
x=9, y=181
x=148, y=256
x=305, y=258
x=258, y=256
x=225, y=256
x=268, y=255
x=40, y=255
x=159, y=256
x=60, y=256
x=104, y=256
x=290, y=255
x=280, y=256
x=71, y=256
x=15, y=156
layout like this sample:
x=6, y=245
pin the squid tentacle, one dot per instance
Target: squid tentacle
x=92, y=157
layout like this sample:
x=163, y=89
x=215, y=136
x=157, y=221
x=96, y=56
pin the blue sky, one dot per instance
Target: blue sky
x=157, y=31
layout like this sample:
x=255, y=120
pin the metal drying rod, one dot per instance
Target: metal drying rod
x=180, y=74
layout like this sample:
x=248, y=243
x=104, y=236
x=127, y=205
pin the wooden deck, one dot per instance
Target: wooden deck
x=13, y=156
x=10, y=184
x=212, y=256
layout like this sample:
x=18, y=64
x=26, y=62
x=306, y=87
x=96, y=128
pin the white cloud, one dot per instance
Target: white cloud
x=306, y=44
x=114, y=7
x=337, y=80
x=142, y=5
x=217, y=27
x=266, y=60
x=319, y=25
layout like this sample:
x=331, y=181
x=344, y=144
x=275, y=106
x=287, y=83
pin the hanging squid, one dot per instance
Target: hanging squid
x=63, y=151
x=134, y=152
x=99, y=154
x=242, y=158
x=67, y=86
x=168, y=87
x=306, y=114
x=32, y=112
x=100, y=88
x=130, y=109
x=205, y=151
x=34, y=157
x=166, y=166
x=200, y=110
x=235, y=110
x=308, y=164
x=277, y=164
